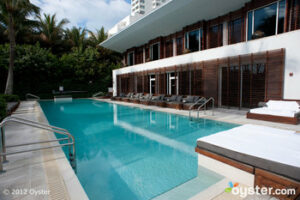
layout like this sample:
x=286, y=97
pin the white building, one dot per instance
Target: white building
x=239, y=52
x=139, y=8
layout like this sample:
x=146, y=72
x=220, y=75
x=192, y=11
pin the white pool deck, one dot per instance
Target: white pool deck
x=48, y=171
x=44, y=174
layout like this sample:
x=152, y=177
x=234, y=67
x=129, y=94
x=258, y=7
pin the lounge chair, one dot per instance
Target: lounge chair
x=118, y=98
x=191, y=101
x=277, y=111
x=146, y=99
x=175, y=102
x=158, y=101
x=136, y=98
x=128, y=97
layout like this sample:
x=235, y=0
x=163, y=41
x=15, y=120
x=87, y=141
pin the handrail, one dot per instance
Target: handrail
x=197, y=102
x=32, y=95
x=61, y=131
x=42, y=124
x=204, y=105
x=97, y=94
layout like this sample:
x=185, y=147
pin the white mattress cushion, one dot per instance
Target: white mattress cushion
x=260, y=141
x=283, y=105
x=275, y=112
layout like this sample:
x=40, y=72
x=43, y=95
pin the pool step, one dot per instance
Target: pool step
x=205, y=180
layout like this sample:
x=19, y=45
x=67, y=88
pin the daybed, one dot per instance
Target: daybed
x=277, y=111
x=272, y=155
x=158, y=101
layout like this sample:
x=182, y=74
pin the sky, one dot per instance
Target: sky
x=90, y=14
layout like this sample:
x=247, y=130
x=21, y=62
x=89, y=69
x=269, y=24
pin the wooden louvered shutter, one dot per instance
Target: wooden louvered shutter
x=211, y=79
x=274, y=74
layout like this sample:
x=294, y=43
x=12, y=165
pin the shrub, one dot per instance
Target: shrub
x=39, y=72
x=10, y=98
x=2, y=108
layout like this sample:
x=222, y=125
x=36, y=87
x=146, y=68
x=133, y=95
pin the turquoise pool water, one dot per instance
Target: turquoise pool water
x=131, y=153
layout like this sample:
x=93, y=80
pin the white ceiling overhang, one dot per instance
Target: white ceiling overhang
x=168, y=19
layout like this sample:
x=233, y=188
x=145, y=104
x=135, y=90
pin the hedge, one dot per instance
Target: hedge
x=10, y=98
x=39, y=72
x=2, y=109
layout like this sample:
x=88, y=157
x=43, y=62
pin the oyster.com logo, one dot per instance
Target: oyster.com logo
x=231, y=186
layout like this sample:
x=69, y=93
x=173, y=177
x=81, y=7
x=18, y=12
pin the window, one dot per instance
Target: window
x=130, y=59
x=179, y=46
x=216, y=36
x=155, y=51
x=235, y=31
x=193, y=40
x=152, y=84
x=172, y=84
x=266, y=21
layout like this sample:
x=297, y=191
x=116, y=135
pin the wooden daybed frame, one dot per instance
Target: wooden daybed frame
x=272, y=118
x=263, y=178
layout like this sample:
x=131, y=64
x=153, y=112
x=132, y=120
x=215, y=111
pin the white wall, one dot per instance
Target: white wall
x=290, y=41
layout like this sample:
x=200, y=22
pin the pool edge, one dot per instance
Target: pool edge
x=70, y=179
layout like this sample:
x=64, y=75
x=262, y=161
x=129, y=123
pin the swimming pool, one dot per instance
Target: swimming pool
x=132, y=153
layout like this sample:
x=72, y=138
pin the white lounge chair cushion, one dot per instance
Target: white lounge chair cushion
x=278, y=108
x=274, y=144
x=264, y=147
x=277, y=112
x=283, y=105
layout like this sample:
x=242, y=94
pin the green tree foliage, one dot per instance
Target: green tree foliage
x=51, y=32
x=98, y=37
x=2, y=108
x=15, y=18
x=77, y=37
x=42, y=55
x=39, y=71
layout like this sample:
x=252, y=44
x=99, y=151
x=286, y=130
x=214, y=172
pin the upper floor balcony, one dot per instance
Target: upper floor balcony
x=182, y=27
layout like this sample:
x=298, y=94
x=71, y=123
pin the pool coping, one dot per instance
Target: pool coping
x=71, y=182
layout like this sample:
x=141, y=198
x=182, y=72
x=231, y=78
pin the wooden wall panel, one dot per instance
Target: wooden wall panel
x=197, y=79
x=210, y=81
x=140, y=84
x=146, y=83
x=275, y=73
x=184, y=81
x=262, y=74
x=162, y=83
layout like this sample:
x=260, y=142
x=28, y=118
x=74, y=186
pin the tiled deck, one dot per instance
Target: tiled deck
x=46, y=171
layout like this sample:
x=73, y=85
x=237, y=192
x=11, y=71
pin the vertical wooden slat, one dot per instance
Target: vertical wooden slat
x=267, y=78
x=228, y=77
x=285, y=29
x=251, y=77
x=239, y=83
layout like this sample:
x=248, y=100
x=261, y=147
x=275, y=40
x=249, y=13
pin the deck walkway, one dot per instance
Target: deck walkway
x=42, y=174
